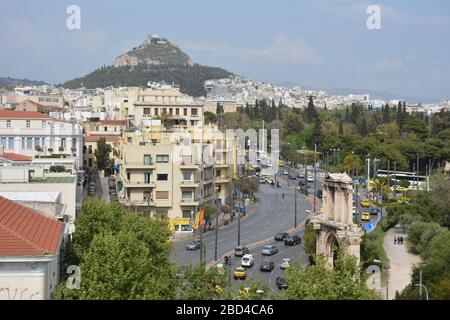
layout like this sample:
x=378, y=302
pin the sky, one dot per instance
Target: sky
x=317, y=44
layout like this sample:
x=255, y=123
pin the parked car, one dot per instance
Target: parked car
x=266, y=265
x=280, y=236
x=240, y=273
x=247, y=260
x=365, y=216
x=319, y=194
x=262, y=180
x=269, y=250
x=310, y=179
x=373, y=211
x=241, y=251
x=285, y=172
x=281, y=283
x=193, y=245
x=292, y=177
x=285, y=263
x=292, y=240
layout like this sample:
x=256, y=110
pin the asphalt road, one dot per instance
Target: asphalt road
x=296, y=253
x=270, y=214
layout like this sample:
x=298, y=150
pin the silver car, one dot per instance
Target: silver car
x=269, y=250
x=285, y=263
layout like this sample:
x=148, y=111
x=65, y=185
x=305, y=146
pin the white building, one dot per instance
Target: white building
x=30, y=247
x=33, y=133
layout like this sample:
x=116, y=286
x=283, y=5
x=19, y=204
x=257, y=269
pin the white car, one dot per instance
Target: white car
x=310, y=179
x=285, y=263
x=354, y=210
x=286, y=172
x=247, y=260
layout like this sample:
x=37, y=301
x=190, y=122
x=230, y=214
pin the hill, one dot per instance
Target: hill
x=7, y=82
x=156, y=59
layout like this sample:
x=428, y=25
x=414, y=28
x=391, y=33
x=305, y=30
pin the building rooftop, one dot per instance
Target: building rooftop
x=24, y=232
x=14, y=156
x=7, y=114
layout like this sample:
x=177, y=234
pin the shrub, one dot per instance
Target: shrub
x=57, y=168
x=420, y=234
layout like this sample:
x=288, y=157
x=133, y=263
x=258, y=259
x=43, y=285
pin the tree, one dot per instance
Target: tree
x=352, y=164
x=247, y=185
x=346, y=281
x=386, y=114
x=121, y=255
x=311, y=112
x=210, y=117
x=57, y=168
x=292, y=123
x=102, y=154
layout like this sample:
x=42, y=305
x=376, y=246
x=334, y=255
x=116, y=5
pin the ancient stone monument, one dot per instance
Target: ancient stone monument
x=334, y=227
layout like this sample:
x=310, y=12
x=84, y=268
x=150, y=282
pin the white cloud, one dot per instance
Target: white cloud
x=283, y=50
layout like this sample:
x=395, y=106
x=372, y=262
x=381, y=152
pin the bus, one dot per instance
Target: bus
x=415, y=181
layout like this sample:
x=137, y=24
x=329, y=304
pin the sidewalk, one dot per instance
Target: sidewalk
x=401, y=261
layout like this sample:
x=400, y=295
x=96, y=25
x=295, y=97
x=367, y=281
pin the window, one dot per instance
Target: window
x=194, y=112
x=29, y=143
x=147, y=111
x=90, y=149
x=3, y=142
x=177, y=111
x=74, y=144
x=128, y=176
x=28, y=123
x=10, y=143
x=186, y=213
x=162, y=158
x=156, y=111
x=162, y=177
x=23, y=144
x=146, y=177
x=37, y=142
x=8, y=123
x=147, y=159
x=185, y=111
x=162, y=195
x=105, y=129
x=63, y=143
x=186, y=195
x=171, y=111
x=147, y=196
x=187, y=176
x=90, y=162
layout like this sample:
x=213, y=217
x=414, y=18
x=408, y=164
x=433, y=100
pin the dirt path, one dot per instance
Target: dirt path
x=401, y=261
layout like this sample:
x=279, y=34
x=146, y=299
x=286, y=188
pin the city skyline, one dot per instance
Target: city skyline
x=319, y=45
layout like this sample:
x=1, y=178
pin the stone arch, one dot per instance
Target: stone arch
x=331, y=247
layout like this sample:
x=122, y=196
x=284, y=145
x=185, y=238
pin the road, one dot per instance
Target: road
x=270, y=214
x=296, y=253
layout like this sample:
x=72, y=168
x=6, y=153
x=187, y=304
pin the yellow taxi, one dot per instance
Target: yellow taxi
x=365, y=203
x=239, y=273
x=365, y=216
x=281, y=163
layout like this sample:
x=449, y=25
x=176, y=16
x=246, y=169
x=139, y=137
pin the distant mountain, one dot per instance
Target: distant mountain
x=156, y=59
x=10, y=83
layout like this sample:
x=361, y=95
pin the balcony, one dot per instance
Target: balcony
x=190, y=202
x=222, y=179
x=138, y=184
x=140, y=203
x=139, y=165
x=209, y=179
x=222, y=165
x=189, y=184
x=185, y=165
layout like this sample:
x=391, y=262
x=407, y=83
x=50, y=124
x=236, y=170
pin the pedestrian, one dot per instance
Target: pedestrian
x=401, y=239
x=395, y=240
x=282, y=196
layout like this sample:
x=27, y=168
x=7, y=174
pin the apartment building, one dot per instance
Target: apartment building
x=32, y=179
x=33, y=133
x=174, y=173
x=29, y=253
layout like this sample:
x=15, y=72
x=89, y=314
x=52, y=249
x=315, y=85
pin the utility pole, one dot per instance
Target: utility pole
x=395, y=180
x=305, y=175
x=417, y=175
x=295, y=207
x=368, y=173
x=420, y=284
x=216, y=232
x=239, y=227
x=389, y=180
x=201, y=243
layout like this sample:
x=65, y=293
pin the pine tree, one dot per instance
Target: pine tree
x=341, y=129
x=386, y=114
